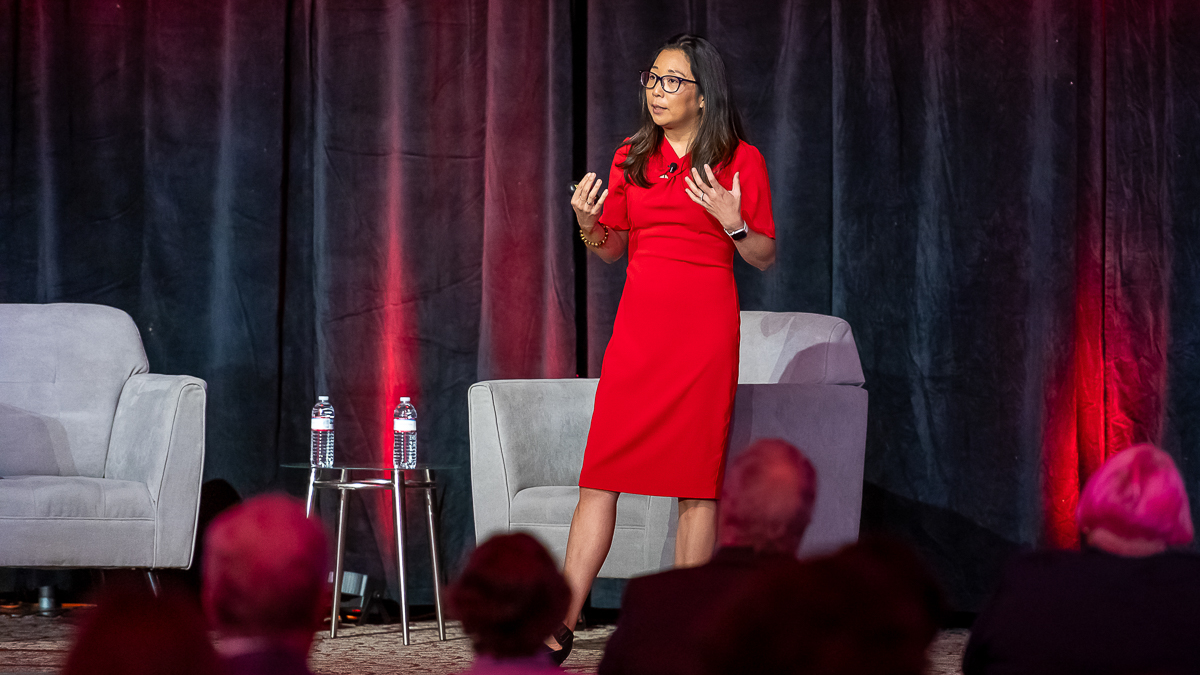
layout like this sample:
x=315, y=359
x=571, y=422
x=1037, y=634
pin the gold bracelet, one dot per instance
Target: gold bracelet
x=591, y=243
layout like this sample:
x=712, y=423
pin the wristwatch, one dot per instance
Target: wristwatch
x=738, y=235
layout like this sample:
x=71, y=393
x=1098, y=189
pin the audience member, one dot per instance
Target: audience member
x=869, y=609
x=132, y=632
x=1126, y=603
x=766, y=504
x=509, y=599
x=265, y=574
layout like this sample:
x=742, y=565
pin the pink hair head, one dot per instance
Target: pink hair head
x=1138, y=493
x=265, y=567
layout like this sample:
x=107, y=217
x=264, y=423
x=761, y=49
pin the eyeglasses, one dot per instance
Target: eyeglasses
x=670, y=83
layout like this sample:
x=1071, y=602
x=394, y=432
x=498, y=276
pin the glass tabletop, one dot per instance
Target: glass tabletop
x=421, y=466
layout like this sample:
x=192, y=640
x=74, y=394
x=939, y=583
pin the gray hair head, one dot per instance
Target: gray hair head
x=768, y=497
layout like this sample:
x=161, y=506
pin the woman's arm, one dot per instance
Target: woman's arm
x=606, y=243
x=756, y=249
x=612, y=249
x=726, y=206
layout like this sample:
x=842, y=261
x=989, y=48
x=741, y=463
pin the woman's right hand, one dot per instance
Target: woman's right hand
x=588, y=201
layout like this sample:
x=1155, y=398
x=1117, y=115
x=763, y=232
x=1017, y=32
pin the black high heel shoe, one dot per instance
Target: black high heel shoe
x=565, y=637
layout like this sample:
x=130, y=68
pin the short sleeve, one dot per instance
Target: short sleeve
x=756, y=189
x=615, y=215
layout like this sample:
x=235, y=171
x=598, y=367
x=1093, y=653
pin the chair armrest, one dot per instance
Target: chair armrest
x=489, y=484
x=158, y=439
x=524, y=433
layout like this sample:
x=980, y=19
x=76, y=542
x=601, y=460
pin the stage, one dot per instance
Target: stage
x=36, y=644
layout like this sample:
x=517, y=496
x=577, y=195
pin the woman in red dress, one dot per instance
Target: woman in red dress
x=684, y=193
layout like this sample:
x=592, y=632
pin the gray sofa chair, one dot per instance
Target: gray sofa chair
x=800, y=380
x=100, y=461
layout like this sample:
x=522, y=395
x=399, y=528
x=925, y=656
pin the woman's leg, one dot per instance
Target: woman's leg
x=587, y=545
x=697, y=534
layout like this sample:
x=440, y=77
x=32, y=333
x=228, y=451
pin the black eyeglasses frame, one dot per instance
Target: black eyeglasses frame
x=646, y=75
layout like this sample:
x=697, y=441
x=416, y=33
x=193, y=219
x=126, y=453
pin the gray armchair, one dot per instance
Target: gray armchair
x=100, y=462
x=800, y=380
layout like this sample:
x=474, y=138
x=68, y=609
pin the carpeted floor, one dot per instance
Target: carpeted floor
x=36, y=644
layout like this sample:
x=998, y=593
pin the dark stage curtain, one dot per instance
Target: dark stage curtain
x=429, y=145
x=367, y=199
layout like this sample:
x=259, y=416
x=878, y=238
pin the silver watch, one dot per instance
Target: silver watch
x=738, y=235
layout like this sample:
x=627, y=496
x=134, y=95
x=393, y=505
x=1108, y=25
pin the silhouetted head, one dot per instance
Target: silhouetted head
x=1135, y=503
x=510, y=597
x=265, y=570
x=768, y=497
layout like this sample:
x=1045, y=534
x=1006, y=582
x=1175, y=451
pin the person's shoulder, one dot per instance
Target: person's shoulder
x=746, y=156
x=1053, y=567
x=749, y=153
x=681, y=580
x=1182, y=557
x=1042, y=559
x=623, y=150
x=1180, y=565
x=642, y=584
x=652, y=587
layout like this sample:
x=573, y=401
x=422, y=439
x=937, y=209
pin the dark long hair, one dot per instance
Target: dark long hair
x=720, y=125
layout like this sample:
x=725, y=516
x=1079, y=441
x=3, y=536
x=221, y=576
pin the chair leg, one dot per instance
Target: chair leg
x=155, y=587
x=46, y=601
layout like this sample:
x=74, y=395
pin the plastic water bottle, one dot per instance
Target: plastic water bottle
x=322, y=433
x=404, y=427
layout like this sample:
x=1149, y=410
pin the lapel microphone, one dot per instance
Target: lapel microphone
x=671, y=168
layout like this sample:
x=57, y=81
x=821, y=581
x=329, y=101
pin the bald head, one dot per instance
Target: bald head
x=768, y=498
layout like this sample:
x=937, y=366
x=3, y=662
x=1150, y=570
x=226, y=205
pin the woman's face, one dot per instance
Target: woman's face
x=680, y=110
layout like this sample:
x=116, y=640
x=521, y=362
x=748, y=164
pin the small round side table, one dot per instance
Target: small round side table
x=348, y=479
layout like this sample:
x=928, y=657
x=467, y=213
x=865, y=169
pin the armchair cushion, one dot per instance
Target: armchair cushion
x=555, y=504
x=75, y=521
x=73, y=497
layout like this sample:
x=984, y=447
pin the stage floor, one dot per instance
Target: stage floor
x=36, y=644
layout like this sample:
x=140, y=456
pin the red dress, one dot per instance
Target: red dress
x=661, y=420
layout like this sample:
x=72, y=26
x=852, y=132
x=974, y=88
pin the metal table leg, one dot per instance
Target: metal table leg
x=312, y=493
x=341, y=549
x=401, y=568
x=433, y=554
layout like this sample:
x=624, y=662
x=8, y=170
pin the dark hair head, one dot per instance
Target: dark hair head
x=510, y=597
x=720, y=125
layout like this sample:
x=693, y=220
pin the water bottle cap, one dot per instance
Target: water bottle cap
x=323, y=399
x=404, y=399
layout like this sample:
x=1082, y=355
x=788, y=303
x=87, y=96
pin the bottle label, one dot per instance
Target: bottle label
x=404, y=425
x=322, y=424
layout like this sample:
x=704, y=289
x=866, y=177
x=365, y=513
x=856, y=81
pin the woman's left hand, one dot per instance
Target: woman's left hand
x=724, y=205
